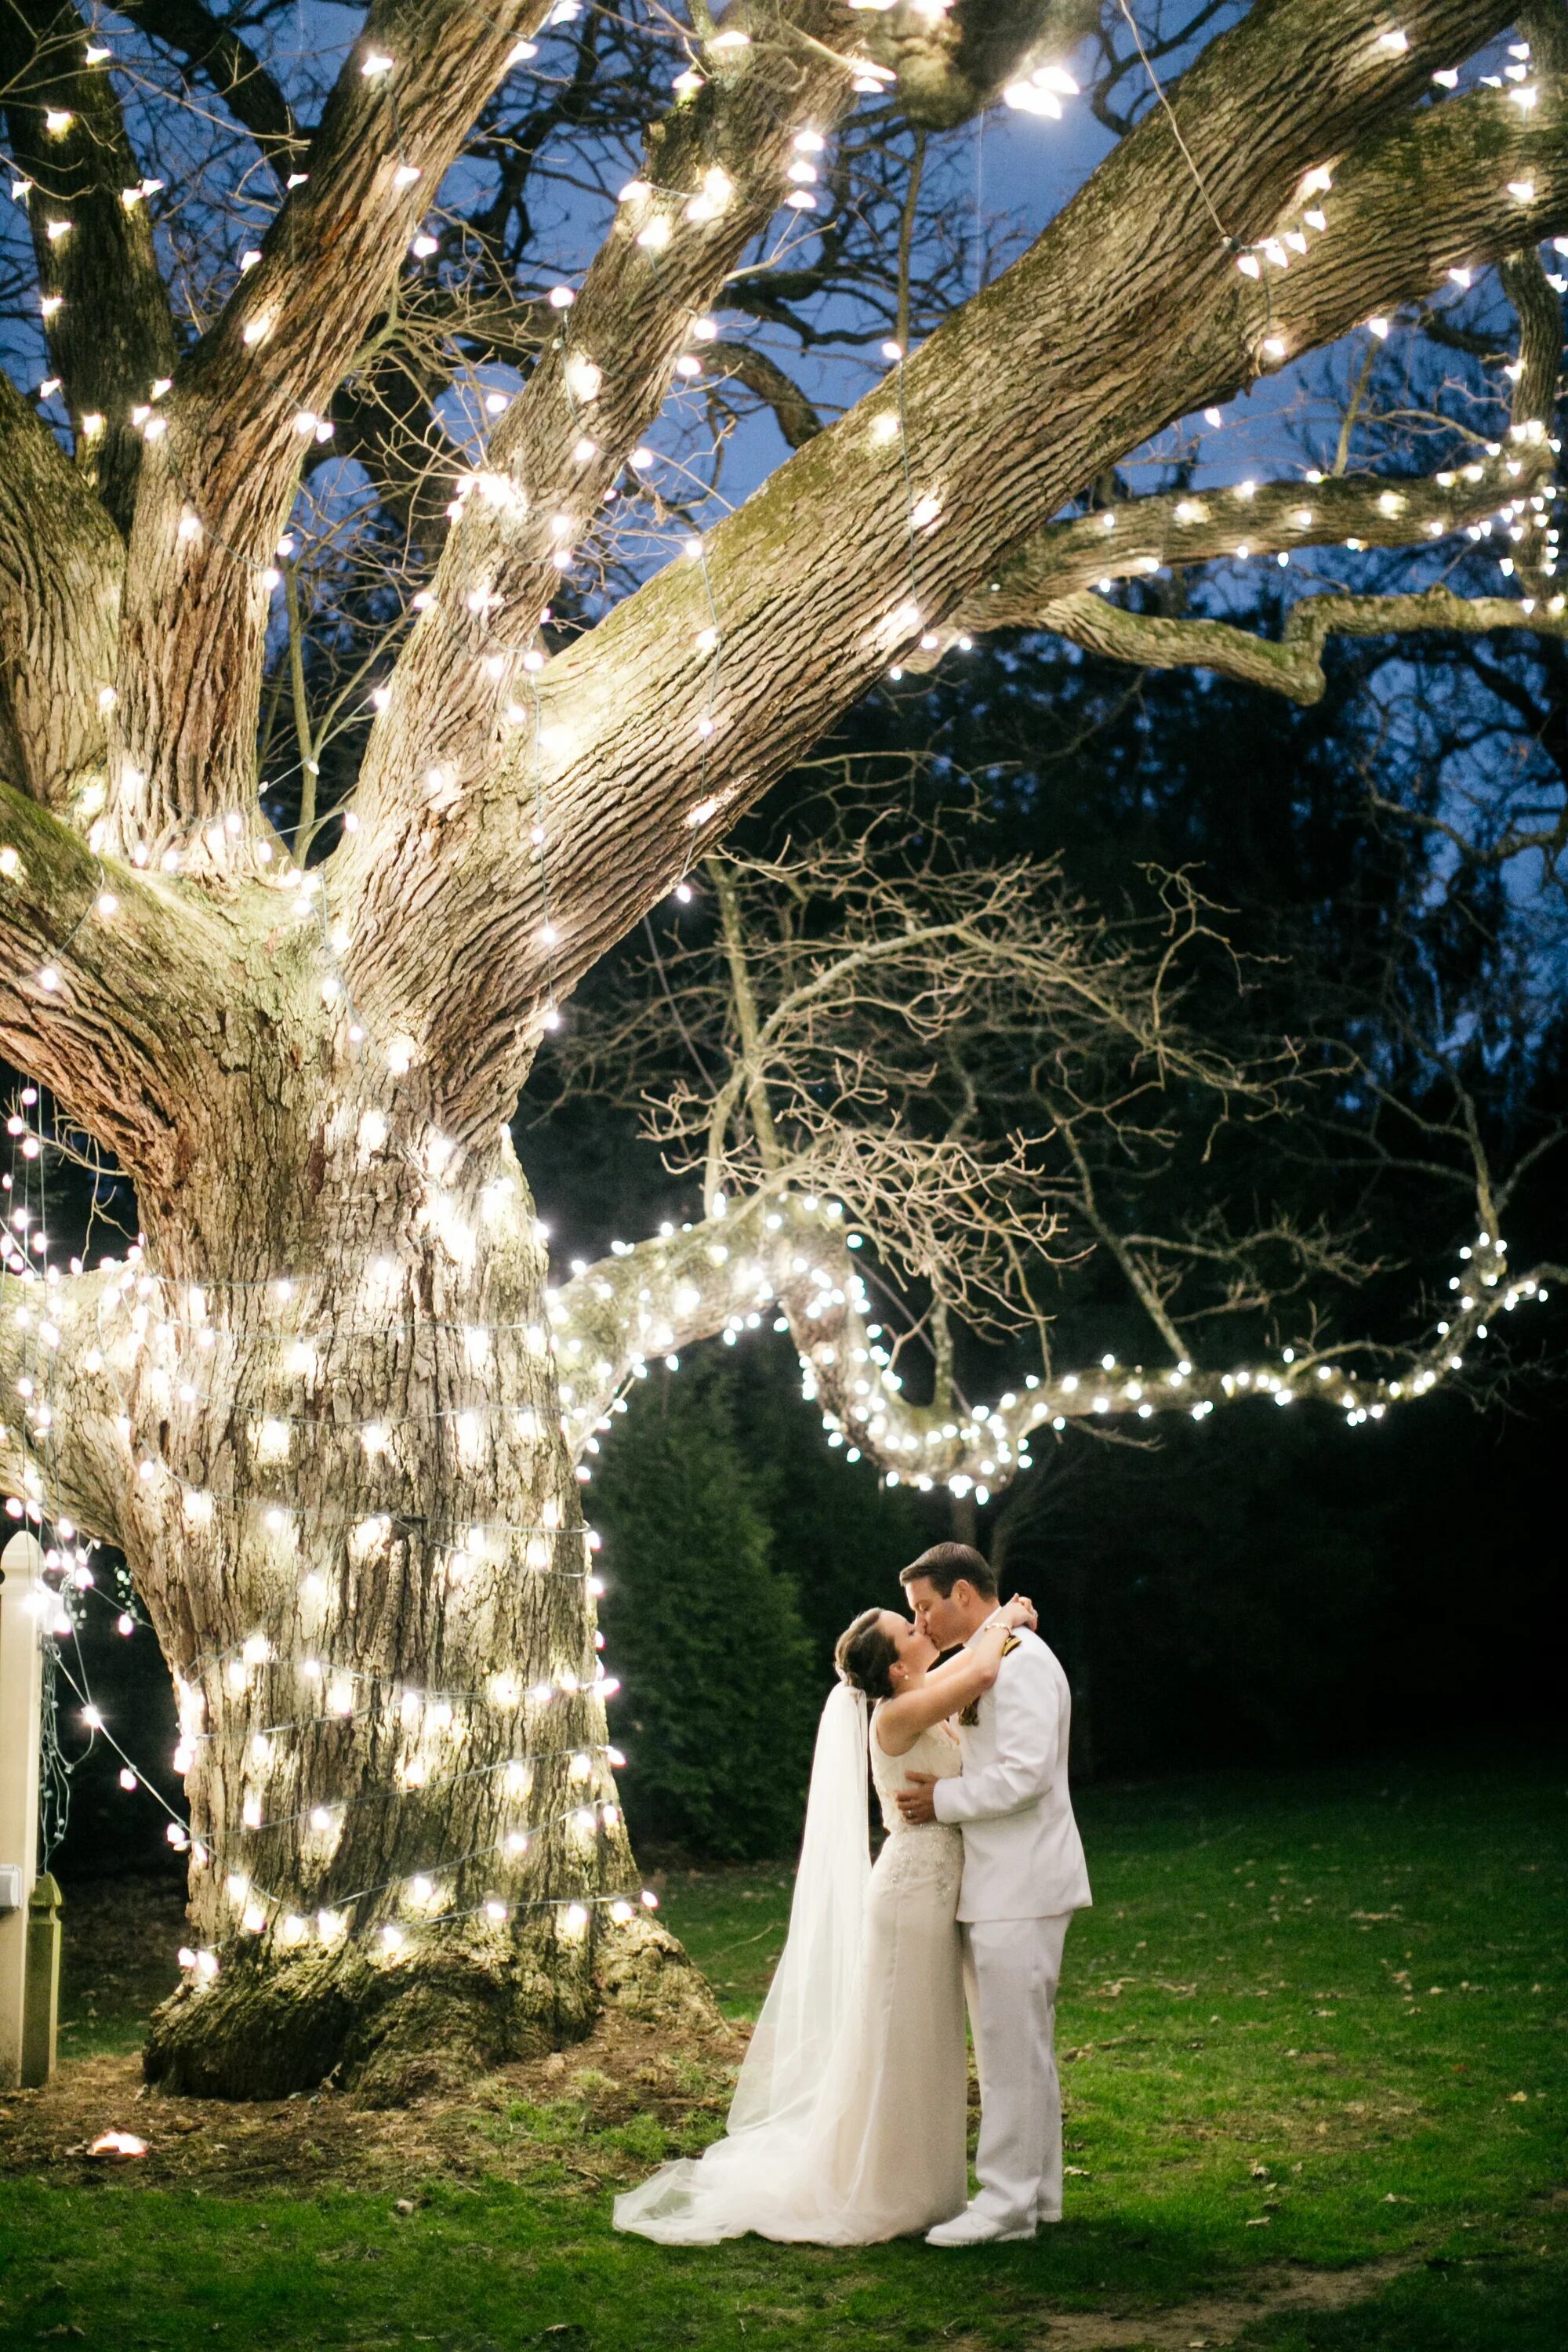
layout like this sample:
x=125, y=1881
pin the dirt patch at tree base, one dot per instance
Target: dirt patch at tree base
x=506, y=2123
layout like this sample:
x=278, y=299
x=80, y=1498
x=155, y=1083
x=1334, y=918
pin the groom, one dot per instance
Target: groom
x=1024, y=1877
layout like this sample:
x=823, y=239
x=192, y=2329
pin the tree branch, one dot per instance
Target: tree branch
x=714, y=173
x=107, y=985
x=1293, y=666
x=61, y=564
x=385, y=419
x=750, y=1075
x=773, y=1251
x=228, y=463
x=1142, y=535
x=250, y=93
x=950, y=64
x=1126, y=313
x=107, y=323
x=62, y=1444
x=793, y=413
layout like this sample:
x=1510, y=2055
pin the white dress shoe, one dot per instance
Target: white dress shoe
x=974, y=2227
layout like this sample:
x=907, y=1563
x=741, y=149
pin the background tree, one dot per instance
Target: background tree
x=324, y=1407
x=709, y=1637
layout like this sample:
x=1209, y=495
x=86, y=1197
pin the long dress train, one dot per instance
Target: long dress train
x=877, y=2150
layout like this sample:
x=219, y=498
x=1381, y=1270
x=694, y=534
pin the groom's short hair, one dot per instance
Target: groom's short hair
x=947, y=1564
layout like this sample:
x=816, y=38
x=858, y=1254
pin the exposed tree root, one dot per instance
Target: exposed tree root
x=415, y=2030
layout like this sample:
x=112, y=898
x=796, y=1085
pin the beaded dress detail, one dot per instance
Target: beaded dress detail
x=881, y=2152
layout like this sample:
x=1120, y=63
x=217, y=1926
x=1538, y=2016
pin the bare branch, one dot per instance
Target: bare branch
x=943, y=1045
x=212, y=47
x=795, y=417
x=1294, y=665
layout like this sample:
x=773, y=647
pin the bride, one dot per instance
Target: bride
x=848, y=2123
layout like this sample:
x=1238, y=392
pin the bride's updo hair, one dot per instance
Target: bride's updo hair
x=864, y=1653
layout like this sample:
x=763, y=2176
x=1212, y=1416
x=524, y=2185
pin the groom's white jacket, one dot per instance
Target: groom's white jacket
x=1023, y=1858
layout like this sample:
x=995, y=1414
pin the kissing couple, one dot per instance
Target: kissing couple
x=848, y=2120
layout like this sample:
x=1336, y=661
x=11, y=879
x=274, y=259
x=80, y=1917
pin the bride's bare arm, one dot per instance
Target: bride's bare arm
x=950, y=1686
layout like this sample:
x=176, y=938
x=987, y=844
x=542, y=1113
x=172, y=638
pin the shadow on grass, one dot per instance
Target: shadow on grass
x=1519, y=2306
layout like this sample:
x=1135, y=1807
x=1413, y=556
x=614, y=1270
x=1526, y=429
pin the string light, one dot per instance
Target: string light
x=422, y=1713
x=260, y=1910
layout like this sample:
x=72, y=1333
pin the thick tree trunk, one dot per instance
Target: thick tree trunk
x=356, y=1523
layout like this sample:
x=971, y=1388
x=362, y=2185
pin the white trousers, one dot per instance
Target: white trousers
x=1011, y=1967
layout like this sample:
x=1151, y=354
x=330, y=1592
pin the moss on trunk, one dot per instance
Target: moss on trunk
x=396, y=2031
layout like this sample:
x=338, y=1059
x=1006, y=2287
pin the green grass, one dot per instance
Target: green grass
x=1263, y=2083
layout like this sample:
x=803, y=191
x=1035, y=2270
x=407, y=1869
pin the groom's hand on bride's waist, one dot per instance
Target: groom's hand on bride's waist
x=917, y=1799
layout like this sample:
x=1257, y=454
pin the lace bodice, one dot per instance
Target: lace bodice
x=935, y=1750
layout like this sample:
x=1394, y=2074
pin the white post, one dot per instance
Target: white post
x=21, y=1737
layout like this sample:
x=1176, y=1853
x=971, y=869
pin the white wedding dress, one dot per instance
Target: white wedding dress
x=848, y=2120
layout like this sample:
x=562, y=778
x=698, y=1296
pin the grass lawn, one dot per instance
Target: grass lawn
x=1313, y=2047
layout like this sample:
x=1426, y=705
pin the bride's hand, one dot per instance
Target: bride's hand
x=1020, y=1612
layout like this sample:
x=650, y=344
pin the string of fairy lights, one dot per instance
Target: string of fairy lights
x=259, y=1911
x=579, y=374
x=750, y=1269
x=876, y=1419
x=349, y=1693
x=421, y=1889
x=582, y=374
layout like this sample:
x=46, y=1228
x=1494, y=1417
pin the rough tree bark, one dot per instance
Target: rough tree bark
x=322, y=1411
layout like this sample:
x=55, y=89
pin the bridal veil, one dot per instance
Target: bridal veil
x=747, y=2180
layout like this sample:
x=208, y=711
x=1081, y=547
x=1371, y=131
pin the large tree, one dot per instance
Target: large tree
x=327, y=1407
